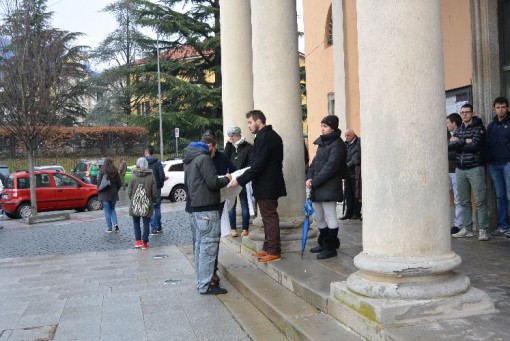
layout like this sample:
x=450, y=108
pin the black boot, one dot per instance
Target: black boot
x=329, y=245
x=322, y=236
x=333, y=233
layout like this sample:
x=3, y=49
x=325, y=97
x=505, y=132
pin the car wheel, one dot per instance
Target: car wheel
x=10, y=215
x=24, y=211
x=93, y=204
x=178, y=194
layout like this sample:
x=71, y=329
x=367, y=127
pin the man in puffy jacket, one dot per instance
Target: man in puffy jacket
x=469, y=143
x=204, y=186
x=159, y=174
x=498, y=158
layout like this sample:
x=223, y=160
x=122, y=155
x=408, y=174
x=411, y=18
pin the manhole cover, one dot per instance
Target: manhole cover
x=160, y=256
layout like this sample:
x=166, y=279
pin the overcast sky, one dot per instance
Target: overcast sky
x=86, y=17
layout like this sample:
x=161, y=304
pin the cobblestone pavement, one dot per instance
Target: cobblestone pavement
x=85, y=232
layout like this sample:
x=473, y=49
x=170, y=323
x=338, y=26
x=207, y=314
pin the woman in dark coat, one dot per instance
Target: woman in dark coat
x=111, y=195
x=324, y=179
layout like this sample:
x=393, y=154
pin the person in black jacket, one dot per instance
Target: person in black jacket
x=324, y=179
x=352, y=176
x=498, y=158
x=469, y=143
x=240, y=153
x=266, y=175
x=453, y=122
x=159, y=173
x=111, y=195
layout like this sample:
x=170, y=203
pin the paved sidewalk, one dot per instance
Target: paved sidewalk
x=114, y=295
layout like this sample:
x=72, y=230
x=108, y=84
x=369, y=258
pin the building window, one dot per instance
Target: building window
x=331, y=103
x=328, y=37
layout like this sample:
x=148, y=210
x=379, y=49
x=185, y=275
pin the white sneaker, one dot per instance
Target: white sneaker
x=483, y=236
x=463, y=234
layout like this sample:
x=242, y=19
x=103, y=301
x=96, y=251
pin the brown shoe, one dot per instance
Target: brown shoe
x=259, y=254
x=269, y=258
x=233, y=233
x=245, y=233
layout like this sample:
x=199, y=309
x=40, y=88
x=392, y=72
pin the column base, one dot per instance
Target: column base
x=290, y=235
x=370, y=316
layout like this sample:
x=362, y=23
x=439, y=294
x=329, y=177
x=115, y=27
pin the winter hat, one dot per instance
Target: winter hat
x=234, y=131
x=142, y=163
x=200, y=145
x=331, y=121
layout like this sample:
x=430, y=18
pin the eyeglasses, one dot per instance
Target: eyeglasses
x=465, y=112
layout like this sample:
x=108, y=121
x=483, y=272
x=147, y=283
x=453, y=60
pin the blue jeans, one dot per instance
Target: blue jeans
x=156, y=213
x=144, y=237
x=245, y=212
x=109, y=213
x=207, y=238
x=500, y=175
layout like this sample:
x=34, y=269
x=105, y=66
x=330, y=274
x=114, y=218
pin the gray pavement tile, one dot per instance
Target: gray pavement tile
x=29, y=321
x=9, y=320
x=35, y=333
x=86, y=301
x=5, y=334
x=78, y=330
x=45, y=307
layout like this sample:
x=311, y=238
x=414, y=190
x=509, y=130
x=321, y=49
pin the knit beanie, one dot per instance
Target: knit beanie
x=142, y=163
x=331, y=121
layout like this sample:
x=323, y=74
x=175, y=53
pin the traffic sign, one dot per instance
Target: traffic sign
x=176, y=132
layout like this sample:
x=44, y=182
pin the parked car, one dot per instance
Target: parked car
x=82, y=169
x=50, y=167
x=55, y=191
x=173, y=187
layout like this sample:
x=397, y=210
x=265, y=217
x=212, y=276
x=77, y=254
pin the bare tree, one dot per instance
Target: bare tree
x=41, y=76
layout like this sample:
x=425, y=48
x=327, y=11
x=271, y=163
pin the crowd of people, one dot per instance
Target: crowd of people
x=471, y=148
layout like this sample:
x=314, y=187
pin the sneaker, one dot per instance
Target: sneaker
x=145, y=246
x=499, y=232
x=138, y=244
x=214, y=290
x=259, y=254
x=233, y=233
x=269, y=258
x=454, y=230
x=116, y=227
x=153, y=232
x=316, y=249
x=108, y=231
x=245, y=233
x=463, y=233
x=159, y=229
x=482, y=235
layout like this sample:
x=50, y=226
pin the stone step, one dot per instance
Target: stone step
x=267, y=287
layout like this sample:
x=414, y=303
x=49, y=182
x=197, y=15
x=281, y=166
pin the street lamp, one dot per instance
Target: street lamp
x=159, y=99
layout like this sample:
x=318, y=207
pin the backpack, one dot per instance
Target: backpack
x=141, y=203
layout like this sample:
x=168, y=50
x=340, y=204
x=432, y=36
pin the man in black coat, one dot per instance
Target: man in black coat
x=353, y=178
x=266, y=175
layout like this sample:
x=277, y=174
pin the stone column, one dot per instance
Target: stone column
x=339, y=64
x=486, y=73
x=405, y=268
x=276, y=92
x=486, y=64
x=236, y=64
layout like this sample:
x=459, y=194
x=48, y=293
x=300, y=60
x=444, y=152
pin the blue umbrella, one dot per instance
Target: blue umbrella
x=308, y=211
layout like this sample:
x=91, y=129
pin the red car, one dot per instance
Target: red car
x=55, y=191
